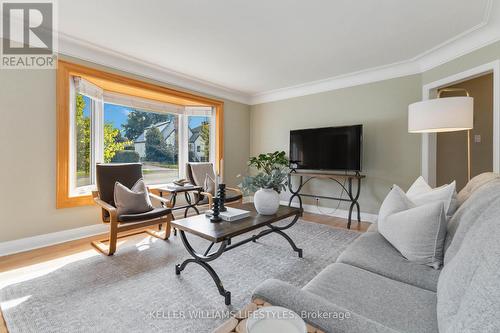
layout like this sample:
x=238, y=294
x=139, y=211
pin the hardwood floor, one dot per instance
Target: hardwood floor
x=3, y=327
x=45, y=254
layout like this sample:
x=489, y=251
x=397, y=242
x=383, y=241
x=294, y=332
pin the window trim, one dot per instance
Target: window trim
x=120, y=84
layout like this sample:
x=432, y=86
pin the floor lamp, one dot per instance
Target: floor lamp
x=449, y=114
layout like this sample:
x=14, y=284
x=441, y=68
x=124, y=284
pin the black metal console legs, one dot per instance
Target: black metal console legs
x=354, y=201
x=204, y=259
x=352, y=198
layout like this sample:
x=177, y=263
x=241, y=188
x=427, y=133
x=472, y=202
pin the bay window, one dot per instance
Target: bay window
x=115, y=122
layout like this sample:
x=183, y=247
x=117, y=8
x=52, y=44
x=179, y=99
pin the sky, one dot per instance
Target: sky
x=118, y=114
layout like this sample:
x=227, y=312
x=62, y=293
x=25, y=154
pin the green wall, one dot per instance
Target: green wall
x=390, y=154
x=479, y=57
x=28, y=153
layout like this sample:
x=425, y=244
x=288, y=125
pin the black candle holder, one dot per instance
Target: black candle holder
x=216, y=211
x=221, y=193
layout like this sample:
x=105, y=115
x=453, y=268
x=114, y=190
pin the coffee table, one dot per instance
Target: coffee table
x=222, y=232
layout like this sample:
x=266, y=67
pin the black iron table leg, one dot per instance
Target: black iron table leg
x=290, y=241
x=356, y=200
x=279, y=231
x=352, y=198
x=191, y=204
x=295, y=193
x=173, y=199
x=203, y=260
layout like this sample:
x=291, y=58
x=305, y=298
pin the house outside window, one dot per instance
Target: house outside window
x=93, y=111
x=115, y=128
x=199, y=139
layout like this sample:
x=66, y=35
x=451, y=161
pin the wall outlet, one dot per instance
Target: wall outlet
x=477, y=138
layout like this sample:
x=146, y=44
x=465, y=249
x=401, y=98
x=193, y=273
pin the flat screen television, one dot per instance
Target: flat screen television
x=327, y=148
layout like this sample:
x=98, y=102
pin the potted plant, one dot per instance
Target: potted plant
x=268, y=183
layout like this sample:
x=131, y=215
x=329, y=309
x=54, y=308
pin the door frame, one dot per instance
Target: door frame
x=429, y=140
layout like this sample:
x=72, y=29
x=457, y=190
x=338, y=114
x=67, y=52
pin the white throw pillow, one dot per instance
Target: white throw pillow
x=416, y=231
x=418, y=187
x=421, y=193
x=394, y=202
x=132, y=201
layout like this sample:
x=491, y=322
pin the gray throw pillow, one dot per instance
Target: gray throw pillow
x=132, y=201
x=209, y=184
x=417, y=232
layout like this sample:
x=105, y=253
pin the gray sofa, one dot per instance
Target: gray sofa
x=381, y=291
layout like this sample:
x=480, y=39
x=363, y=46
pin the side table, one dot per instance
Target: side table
x=187, y=189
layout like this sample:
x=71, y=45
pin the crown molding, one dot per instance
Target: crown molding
x=481, y=35
x=74, y=47
x=338, y=82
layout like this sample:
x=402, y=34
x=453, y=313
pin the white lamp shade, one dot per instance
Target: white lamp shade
x=441, y=115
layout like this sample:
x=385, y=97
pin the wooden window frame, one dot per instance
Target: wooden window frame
x=120, y=84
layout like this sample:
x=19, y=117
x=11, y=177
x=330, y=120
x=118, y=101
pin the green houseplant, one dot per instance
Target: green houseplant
x=270, y=180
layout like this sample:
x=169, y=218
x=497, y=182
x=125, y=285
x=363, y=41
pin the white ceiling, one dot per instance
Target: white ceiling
x=254, y=47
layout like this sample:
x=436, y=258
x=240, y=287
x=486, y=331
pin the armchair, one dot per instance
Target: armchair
x=196, y=173
x=127, y=174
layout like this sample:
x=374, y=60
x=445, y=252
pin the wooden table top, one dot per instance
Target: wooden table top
x=201, y=226
x=327, y=175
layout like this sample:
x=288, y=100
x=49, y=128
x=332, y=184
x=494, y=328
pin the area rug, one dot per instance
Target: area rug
x=136, y=290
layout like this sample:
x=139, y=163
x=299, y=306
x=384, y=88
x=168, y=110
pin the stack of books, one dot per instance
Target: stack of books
x=231, y=214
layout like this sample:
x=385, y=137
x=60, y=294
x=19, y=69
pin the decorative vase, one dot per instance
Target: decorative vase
x=266, y=201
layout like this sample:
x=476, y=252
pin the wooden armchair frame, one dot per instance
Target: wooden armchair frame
x=116, y=227
x=210, y=196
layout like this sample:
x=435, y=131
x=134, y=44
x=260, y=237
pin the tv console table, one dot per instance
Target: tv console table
x=305, y=177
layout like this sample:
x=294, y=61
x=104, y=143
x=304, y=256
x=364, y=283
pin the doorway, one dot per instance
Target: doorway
x=451, y=147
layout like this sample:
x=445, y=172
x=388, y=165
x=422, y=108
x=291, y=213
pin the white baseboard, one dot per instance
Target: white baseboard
x=365, y=217
x=35, y=242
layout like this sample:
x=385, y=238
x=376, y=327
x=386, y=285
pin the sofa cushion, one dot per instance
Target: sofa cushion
x=316, y=310
x=394, y=304
x=474, y=184
x=372, y=252
x=467, y=215
x=468, y=288
x=373, y=227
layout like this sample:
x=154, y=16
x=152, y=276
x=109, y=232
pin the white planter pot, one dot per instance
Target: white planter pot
x=266, y=201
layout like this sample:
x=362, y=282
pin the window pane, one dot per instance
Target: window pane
x=83, y=140
x=133, y=135
x=199, y=138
